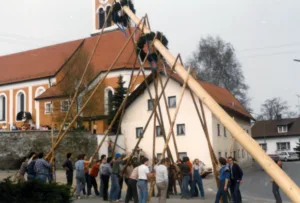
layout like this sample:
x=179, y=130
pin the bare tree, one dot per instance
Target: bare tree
x=215, y=61
x=69, y=83
x=275, y=108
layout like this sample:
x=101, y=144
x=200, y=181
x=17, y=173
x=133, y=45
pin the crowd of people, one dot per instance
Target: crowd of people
x=136, y=174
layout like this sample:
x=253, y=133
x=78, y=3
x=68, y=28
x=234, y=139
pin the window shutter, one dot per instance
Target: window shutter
x=108, y=24
x=101, y=18
x=3, y=109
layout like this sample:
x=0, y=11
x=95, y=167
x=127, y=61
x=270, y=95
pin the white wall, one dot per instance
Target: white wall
x=272, y=146
x=194, y=142
x=223, y=144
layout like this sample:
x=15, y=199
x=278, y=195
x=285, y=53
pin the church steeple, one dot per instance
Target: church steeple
x=101, y=9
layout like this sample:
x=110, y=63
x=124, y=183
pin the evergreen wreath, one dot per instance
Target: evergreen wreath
x=148, y=38
x=121, y=17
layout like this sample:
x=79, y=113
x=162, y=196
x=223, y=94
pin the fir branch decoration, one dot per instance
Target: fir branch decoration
x=118, y=15
x=148, y=38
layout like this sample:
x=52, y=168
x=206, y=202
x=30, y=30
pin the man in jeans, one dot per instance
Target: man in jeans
x=162, y=180
x=186, y=177
x=143, y=174
x=68, y=166
x=42, y=168
x=115, y=187
x=236, y=176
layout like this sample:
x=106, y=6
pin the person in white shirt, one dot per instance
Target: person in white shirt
x=143, y=174
x=162, y=180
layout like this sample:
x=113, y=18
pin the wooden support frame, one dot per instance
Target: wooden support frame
x=92, y=94
x=176, y=113
x=247, y=142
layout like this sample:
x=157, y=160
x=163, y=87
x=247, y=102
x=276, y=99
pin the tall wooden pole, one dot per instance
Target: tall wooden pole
x=169, y=119
x=176, y=112
x=202, y=119
x=247, y=142
x=160, y=117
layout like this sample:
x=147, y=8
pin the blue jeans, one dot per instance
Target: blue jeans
x=101, y=187
x=143, y=189
x=185, y=186
x=198, y=181
x=42, y=178
x=30, y=177
x=235, y=191
x=115, y=187
x=221, y=193
x=80, y=184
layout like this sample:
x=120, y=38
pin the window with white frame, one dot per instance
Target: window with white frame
x=219, y=130
x=2, y=108
x=66, y=125
x=219, y=154
x=20, y=102
x=64, y=105
x=108, y=97
x=139, y=132
x=48, y=108
x=180, y=129
x=282, y=146
x=243, y=153
x=282, y=128
x=239, y=155
x=263, y=146
x=226, y=155
x=172, y=102
x=225, y=135
x=150, y=104
x=158, y=131
x=182, y=155
x=158, y=156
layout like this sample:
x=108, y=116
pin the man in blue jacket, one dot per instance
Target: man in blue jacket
x=236, y=177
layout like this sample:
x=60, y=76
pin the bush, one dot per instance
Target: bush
x=34, y=192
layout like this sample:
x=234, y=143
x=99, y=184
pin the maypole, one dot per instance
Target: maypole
x=247, y=142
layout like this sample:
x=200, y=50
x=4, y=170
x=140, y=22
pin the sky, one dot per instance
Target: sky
x=265, y=34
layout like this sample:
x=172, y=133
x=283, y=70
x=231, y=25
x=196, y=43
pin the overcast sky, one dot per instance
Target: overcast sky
x=265, y=33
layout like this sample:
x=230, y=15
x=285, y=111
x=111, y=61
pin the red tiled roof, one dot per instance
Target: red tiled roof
x=35, y=64
x=47, y=61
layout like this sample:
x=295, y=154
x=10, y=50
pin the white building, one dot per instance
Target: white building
x=190, y=137
x=277, y=135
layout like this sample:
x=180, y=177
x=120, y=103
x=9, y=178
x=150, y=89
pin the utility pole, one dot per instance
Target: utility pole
x=298, y=103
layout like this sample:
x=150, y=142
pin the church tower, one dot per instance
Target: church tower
x=100, y=13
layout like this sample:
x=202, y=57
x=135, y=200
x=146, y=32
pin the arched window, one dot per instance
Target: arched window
x=2, y=108
x=101, y=18
x=108, y=24
x=20, y=102
x=108, y=100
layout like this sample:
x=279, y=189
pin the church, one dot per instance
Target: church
x=36, y=85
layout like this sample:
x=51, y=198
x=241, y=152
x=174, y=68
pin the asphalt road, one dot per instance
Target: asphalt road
x=256, y=187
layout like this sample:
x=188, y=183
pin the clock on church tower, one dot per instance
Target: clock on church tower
x=101, y=9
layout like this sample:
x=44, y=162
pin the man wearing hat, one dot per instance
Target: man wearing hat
x=115, y=187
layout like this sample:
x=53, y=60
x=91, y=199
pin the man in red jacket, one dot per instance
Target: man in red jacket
x=93, y=174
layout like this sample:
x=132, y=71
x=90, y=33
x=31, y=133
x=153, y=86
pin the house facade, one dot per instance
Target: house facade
x=36, y=84
x=188, y=132
x=279, y=135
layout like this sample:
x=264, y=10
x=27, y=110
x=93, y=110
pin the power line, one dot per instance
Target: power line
x=272, y=54
x=16, y=36
x=269, y=47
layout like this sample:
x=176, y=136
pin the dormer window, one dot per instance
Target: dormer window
x=282, y=128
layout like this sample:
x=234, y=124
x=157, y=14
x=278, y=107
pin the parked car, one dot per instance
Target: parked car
x=275, y=157
x=288, y=156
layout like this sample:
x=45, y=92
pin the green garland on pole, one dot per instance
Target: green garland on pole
x=148, y=38
x=121, y=17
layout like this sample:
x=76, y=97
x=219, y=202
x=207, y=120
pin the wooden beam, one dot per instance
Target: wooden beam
x=247, y=142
